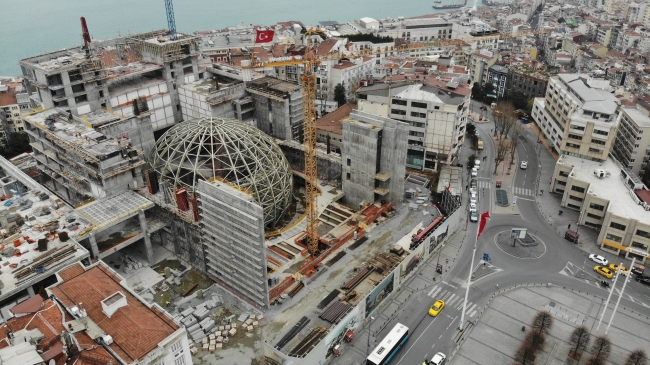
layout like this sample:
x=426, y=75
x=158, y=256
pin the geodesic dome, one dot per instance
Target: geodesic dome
x=226, y=149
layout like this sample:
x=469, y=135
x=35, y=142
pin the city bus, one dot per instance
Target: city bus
x=389, y=346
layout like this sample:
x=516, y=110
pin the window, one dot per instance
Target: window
x=564, y=174
x=399, y=102
x=349, y=161
x=415, y=104
x=596, y=206
x=595, y=150
x=573, y=206
x=180, y=361
x=574, y=136
x=417, y=124
x=418, y=115
x=642, y=233
x=618, y=226
x=398, y=112
x=436, y=107
x=578, y=189
x=603, y=133
x=575, y=198
x=639, y=245
x=594, y=216
x=560, y=182
x=347, y=176
x=572, y=145
x=176, y=346
x=416, y=134
x=598, y=142
x=612, y=237
x=577, y=127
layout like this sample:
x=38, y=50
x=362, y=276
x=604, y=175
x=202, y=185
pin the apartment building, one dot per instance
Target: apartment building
x=349, y=73
x=479, y=64
x=13, y=101
x=527, y=80
x=498, y=76
x=418, y=29
x=130, y=329
x=632, y=143
x=610, y=198
x=604, y=35
x=627, y=40
x=578, y=116
x=635, y=12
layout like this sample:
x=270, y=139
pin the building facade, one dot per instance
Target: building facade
x=632, y=143
x=498, y=76
x=524, y=79
x=578, y=116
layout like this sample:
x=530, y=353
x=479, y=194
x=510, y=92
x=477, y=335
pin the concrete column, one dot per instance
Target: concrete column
x=30, y=291
x=93, y=245
x=147, y=236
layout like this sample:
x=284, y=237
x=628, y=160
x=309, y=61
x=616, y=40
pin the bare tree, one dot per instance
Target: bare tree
x=536, y=339
x=579, y=339
x=600, y=351
x=502, y=150
x=504, y=118
x=514, y=140
x=525, y=354
x=542, y=322
x=637, y=357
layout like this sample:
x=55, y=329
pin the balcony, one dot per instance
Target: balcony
x=382, y=176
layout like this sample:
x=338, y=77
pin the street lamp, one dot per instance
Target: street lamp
x=368, y=347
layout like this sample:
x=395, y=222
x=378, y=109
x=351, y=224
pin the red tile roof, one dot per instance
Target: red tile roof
x=31, y=305
x=333, y=122
x=136, y=329
x=8, y=98
x=72, y=271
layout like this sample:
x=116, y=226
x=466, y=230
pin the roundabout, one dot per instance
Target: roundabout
x=530, y=247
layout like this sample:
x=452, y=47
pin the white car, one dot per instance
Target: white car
x=473, y=190
x=473, y=217
x=598, y=259
x=472, y=207
x=438, y=359
x=524, y=165
x=473, y=199
x=477, y=164
x=474, y=171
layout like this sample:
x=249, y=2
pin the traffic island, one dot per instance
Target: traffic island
x=529, y=247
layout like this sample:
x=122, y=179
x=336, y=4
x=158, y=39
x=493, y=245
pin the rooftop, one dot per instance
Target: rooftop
x=28, y=212
x=8, y=97
x=612, y=188
x=105, y=211
x=593, y=99
x=639, y=118
x=136, y=328
x=333, y=122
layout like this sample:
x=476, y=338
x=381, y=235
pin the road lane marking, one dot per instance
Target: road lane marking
x=472, y=314
x=446, y=283
x=417, y=339
x=434, y=291
x=452, y=322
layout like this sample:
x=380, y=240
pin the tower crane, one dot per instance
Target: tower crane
x=310, y=63
x=171, y=22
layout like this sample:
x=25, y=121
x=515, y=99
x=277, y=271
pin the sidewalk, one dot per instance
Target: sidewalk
x=425, y=278
x=549, y=203
x=506, y=172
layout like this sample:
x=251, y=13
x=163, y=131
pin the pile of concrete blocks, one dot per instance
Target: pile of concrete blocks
x=207, y=324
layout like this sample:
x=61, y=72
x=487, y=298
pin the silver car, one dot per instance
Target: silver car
x=598, y=259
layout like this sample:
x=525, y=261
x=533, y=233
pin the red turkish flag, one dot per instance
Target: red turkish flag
x=264, y=36
x=481, y=227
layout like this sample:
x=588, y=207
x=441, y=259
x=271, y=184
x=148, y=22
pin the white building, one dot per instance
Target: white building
x=632, y=143
x=578, y=116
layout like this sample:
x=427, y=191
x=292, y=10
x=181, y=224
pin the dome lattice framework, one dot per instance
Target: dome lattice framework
x=229, y=150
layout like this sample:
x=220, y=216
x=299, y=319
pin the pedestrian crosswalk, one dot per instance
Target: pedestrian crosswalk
x=453, y=300
x=483, y=184
x=524, y=191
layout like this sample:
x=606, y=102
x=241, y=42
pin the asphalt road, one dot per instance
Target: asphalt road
x=561, y=264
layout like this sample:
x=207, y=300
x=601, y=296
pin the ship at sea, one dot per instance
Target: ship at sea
x=492, y=2
x=450, y=6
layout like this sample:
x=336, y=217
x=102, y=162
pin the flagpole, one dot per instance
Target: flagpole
x=484, y=217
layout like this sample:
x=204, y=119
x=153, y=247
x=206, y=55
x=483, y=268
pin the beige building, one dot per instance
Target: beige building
x=610, y=199
x=632, y=143
x=13, y=102
x=578, y=116
x=479, y=63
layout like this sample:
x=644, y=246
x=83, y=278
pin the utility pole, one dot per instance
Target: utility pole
x=620, y=295
x=368, y=347
x=611, y=290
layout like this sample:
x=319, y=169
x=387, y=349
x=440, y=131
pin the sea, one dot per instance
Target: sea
x=33, y=27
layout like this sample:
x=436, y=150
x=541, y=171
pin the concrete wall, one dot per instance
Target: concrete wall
x=233, y=240
x=139, y=131
x=367, y=140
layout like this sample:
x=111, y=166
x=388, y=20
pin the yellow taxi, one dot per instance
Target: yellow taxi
x=436, y=308
x=606, y=272
x=615, y=267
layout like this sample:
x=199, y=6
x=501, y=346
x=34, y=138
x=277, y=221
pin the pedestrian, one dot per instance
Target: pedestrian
x=466, y=187
x=497, y=287
x=569, y=226
x=541, y=192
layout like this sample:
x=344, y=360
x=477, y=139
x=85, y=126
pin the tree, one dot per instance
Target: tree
x=514, y=140
x=600, y=351
x=542, y=322
x=637, y=357
x=579, y=339
x=488, y=89
x=339, y=94
x=504, y=117
x=525, y=354
x=471, y=129
x=536, y=339
x=502, y=149
x=17, y=143
x=477, y=92
x=470, y=162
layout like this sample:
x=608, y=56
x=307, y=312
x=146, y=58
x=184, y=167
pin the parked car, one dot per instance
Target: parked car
x=477, y=164
x=474, y=171
x=571, y=236
x=643, y=279
x=524, y=165
x=472, y=207
x=473, y=183
x=438, y=359
x=473, y=216
x=616, y=267
x=480, y=145
x=638, y=269
x=473, y=198
x=598, y=259
x=483, y=107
